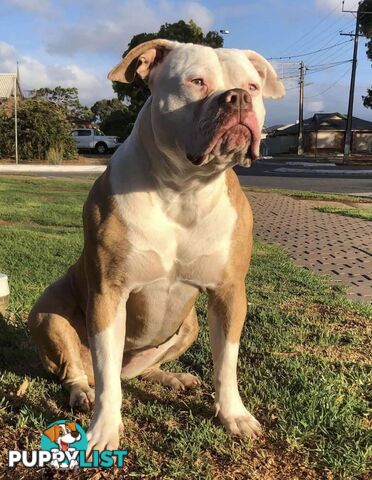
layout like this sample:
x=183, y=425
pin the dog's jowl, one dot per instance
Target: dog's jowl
x=167, y=220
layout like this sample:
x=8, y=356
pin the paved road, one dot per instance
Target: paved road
x=269, y=175
x=266, y=174
x=325, y=242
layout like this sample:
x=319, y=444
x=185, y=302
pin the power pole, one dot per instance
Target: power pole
x=348, y=131
x=300, y=146
x=15, y=119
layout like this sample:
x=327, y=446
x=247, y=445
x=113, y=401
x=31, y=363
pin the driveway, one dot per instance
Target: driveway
x=325, y=242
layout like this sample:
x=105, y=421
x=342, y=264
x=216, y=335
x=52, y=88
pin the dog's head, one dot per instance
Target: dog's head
x=207, y=104
x=63, y=434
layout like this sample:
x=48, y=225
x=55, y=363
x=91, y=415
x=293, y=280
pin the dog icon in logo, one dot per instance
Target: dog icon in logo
x=63, y=434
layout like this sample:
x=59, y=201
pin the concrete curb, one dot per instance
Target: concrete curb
x=330, y=171
x=52, y=168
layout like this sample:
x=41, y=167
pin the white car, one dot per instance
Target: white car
x=93, y=139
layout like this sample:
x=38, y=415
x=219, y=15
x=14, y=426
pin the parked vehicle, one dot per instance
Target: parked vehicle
x=93, y=139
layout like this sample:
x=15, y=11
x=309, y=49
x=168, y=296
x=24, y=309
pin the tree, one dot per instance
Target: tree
x=119, y=123
x=365, y=22
x=137, y=92
x=43, y=129
x=103, y=108
x=67, y=98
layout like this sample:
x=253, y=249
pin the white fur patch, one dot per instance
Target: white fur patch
x=228, y=400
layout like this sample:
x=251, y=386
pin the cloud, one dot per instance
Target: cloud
x=315, y=106
x=35, y=74
x=125, y=19
x=42, y=7
x=199, y=13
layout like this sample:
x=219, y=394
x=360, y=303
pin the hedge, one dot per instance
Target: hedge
x=42, y=128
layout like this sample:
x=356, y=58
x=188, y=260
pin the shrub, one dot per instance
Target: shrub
x=42, y=127
x=54, y=156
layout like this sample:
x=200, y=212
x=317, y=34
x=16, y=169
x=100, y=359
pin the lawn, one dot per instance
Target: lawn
x=303, y=368
x=348, y=205
x=363, y=213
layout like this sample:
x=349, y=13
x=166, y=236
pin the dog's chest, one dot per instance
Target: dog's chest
x=183, y=241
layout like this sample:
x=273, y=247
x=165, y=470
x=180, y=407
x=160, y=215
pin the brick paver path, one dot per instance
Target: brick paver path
x=326, y=242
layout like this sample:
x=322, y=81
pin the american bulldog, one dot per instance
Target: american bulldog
x=165, y=221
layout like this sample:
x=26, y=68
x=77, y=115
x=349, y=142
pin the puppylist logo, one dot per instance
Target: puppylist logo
x=64, y=445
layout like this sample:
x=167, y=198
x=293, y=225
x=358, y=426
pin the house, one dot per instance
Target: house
x=8, y=83
x=324, y=133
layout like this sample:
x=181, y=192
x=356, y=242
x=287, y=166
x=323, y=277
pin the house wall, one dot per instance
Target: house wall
x=327, y=141
x=362, y=142
x=317, y=142
x=280, y=144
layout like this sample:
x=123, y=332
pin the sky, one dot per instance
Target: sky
x=77, y=42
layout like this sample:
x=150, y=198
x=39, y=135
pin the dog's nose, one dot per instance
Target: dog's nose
x=75, y=434
x=236, y=98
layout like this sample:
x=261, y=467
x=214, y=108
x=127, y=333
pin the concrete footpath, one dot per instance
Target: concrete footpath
x=325, y=242
x=27, y=169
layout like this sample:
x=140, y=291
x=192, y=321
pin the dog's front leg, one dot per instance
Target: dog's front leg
x=227, y=308
x=106, y=328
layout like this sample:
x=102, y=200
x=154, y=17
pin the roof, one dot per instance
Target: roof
x=7, y=85
x=326, y=121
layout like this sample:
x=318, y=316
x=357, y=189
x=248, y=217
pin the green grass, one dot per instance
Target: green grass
x=303, y=367
x=364, y=213
x=351, y=208
x=337, y=197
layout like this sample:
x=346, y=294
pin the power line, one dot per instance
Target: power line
x=328, y=64
x=318, y=68
x=331, y=86
x=326, y=67
x=325, y=37
x=312, y=29
x=334, y=55
x=327, y=41
x=309, y=53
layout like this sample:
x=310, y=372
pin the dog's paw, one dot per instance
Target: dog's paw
x=241, y=425
x=177, y=381
x=181, y=381
x=82, y=398
x=104, y=434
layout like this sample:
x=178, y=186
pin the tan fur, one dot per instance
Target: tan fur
x=140, y=60
x=58, y=320
x=105, y=252
x=228, y=301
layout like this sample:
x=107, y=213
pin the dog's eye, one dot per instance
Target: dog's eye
x=252, y=88
x=68, y=430
x=61, y=432
x=198, y=81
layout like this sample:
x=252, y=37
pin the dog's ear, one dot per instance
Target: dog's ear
x=272, y=85
x=141, y=60
x=71, y=426
x=53, y=432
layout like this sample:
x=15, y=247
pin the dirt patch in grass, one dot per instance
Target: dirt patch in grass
x=337, y=354
x=267, y=460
